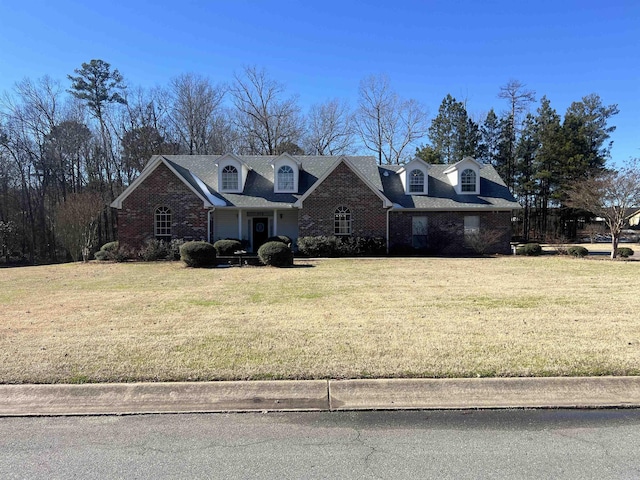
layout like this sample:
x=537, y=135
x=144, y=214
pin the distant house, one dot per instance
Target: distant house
x=417, y=205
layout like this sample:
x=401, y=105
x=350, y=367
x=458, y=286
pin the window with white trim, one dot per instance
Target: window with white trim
x=342, y=221
x=471, y=225
x=229, y=178
x=416, y=181
x=419, y=232
x=285, y=178
x=468, y=181
x=163, y=222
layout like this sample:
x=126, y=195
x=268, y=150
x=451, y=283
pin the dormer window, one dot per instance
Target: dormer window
x=415, y=177
x=464, y=176
x=229, y=178
x=286, y=173
x=285, y=178
x=468, y=181
x=416, y=181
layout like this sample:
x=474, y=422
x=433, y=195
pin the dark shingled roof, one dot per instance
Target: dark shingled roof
x=258, y=190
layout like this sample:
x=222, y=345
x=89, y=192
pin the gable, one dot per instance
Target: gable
x=190, y=181
x=344, y=180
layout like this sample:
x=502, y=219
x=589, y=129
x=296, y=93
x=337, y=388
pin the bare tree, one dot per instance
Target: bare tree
x=264, y=118
x=77, y=222
x=194, y=112
x=329, y=129
x=612, y=195
x=386, y=124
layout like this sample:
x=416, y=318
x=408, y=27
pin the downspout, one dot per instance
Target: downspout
x=388, y=210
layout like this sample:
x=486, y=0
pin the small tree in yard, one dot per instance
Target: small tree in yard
x=77, y=223
x=609, y=195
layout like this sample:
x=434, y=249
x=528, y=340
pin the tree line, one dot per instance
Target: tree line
x=69, y=148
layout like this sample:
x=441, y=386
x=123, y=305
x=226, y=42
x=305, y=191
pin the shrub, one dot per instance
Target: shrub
x=624, y=252
x=577, y=251
x=227, y=246
x=154, y=250
x=332, y=246
x=110, y=247
x=530, y=249
x=174, y=249
x=276, y=254
x=280, y=238
x=198, y=254
x=109, y=251
x=320, y=246
x=102, y=255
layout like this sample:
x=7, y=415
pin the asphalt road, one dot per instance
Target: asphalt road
x=527, y=444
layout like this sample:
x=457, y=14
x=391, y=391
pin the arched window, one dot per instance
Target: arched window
x=229, y=178
x=342, y=221
x=468, y=180
x=163, y=222
x=416, y=181
x=285, y=178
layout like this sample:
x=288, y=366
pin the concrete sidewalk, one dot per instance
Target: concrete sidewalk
x=319, y=395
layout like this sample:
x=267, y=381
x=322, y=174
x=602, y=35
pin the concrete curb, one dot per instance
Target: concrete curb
x=319, y=395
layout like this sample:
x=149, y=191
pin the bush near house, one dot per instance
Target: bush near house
x=280, y=238
x=530, y=250
x=577, y=251
x=227, y=246
x=198, y=254
x=624, y=252
x=332, y=246
x=276, y=254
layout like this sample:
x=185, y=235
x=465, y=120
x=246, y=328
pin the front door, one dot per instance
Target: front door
x=260, y=232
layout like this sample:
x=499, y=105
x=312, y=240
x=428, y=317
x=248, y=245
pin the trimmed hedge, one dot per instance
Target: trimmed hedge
x=198, y=254
x=280, y=238
x=577, y=251
x=276, y=254
x=332, y=246
x=624, y=252
x=530, y=249
x=227, y=246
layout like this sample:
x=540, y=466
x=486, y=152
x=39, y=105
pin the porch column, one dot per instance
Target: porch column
x=240, y=225
x=275, y=223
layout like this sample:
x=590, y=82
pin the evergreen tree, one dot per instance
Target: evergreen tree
x=452, y=133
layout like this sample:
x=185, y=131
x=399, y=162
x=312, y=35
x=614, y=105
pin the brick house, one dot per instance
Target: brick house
x=440, y=208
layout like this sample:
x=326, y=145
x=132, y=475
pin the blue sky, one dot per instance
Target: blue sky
x=321, y=50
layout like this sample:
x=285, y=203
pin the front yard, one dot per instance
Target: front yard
x=417, y=317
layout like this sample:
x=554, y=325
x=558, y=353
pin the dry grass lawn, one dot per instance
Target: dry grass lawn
x=417, y=317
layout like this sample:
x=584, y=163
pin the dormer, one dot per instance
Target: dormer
x=286, y=171
x=464, y=176
x=232, y=174
x=415, y=177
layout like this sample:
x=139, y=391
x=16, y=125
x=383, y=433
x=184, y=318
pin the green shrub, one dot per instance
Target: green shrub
x=102, y=256
x=332, y=246
x=276, y=254
x=320, y=246
x=529, y=249
x=577, y=251
x=280, y=238
x=111, y=247
x=624, y=252
x=198, y=254
x=227, y=246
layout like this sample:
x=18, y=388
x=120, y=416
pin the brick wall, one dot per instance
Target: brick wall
x=342, y=188
x=446, y=230
x=161, y=188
